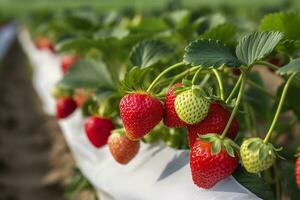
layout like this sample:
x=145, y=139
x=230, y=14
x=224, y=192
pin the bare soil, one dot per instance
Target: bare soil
x=34, y=159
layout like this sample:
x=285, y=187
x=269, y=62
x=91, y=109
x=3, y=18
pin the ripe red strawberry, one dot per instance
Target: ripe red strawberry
x=208, y=168
x=236, y=71
x=275, y=61
x=214, y=122
x=44, y=43
x=98, y=130
x=122, y=149
x=140, y=113
x=298, y=172
x=171, y=118
x=67, y=62
x=64, y=107
x=81, y=96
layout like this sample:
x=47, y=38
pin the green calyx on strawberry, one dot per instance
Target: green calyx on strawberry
x=191, y=104
x=212, y=159
x=256, y=155
x=121, y=148
x=140, y=113
x=59, y=91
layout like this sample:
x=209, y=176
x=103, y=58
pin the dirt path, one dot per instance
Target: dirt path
x=34, y=160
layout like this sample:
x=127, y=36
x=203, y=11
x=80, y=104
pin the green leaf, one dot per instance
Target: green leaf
x=151, y=25
x=120, y=46
x=209, y=53
x=290, y=68
x=285, y=22
x=256, y=46
x=253, y=183
x=135, y=79
x=88, y=74
x=117, y=32
x=102, y=94
x=149, y=52
x=223, y=32
x=78, y=44
x=179, y=18
x=288, y=46
x=81, y=19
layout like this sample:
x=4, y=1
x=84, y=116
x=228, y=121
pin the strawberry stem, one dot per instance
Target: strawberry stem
x=196, y=75
x=233, y=90
x=220, y=83
x=282, y=98
x=267, y=64
x=255, y=85
x=248, y=119
x=244, y=77
x=182, y=74
x=163, y=73
x=204, y=80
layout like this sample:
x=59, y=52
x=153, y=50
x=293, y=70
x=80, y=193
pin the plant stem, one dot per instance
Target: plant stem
x=184, y=73
x=233, y=90
x=163, y=73
x=284, y=92
x=220, y=83
x=172, y=80
x=257, y=86
x=253, y=121
x=267, y=64
x=241, y=92
x=248, y=119
x=204, y=80
x=196, y=75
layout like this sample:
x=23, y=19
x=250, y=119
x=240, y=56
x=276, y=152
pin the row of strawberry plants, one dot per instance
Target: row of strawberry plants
x=215, y=102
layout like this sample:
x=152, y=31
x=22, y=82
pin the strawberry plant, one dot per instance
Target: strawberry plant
x=191, y=82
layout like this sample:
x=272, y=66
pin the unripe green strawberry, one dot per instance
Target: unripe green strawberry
x=256, y=155
x=190, y=107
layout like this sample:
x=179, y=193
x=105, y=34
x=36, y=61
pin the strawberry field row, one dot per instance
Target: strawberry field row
x=188, y=78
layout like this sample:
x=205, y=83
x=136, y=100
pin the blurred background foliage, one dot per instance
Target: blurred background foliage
x=23, y=7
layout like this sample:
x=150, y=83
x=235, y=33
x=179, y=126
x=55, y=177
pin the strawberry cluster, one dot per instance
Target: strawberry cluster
x=125, y=105
x=213, y=154
x=141, y=112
